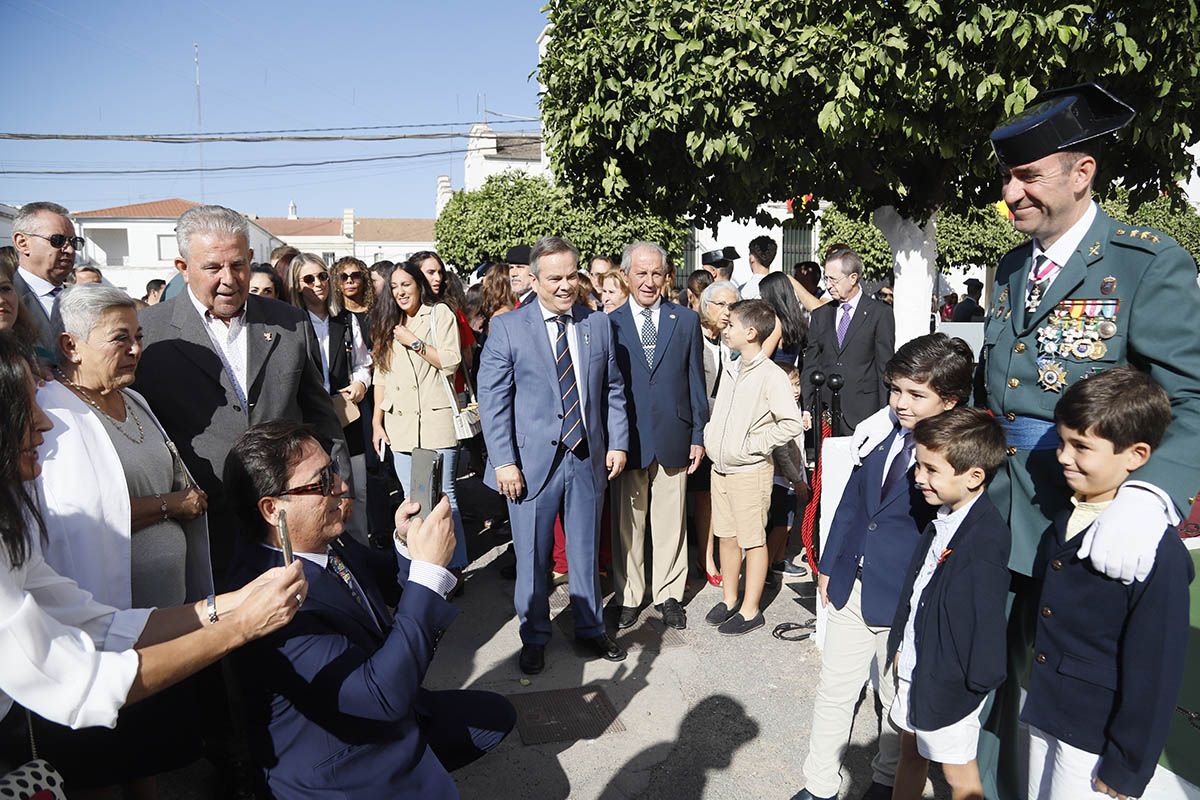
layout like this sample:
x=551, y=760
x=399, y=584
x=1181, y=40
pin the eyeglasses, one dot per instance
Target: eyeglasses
x=57, y=240
x=327, y=480
x=309, y=280
x=346, y=277
x=719, y=303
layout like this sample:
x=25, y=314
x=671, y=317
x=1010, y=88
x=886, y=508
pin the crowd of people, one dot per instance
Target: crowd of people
x=229, y=471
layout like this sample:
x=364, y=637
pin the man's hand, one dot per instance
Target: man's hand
x=823, y=589
x=509, y=481
x=355, y=392
x=871, y=431
x=615, y=461
x=696, y=454
x=404, y=516
x=806, y=420
x=1101, y=787
x=1124, y=539
x=432, y=539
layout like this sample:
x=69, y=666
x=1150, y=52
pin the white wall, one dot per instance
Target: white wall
x=478, y=167
x=732, y=233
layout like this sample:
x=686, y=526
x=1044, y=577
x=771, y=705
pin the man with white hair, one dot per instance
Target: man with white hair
x=218, y=360
x=46, y=244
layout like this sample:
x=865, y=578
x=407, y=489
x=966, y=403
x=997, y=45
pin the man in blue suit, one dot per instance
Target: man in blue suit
x=553, y=408
x=659, y=353
x=333, y=700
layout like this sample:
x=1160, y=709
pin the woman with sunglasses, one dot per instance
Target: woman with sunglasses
x=345, y=365
x=68, y=658
x=415, y=344
x=353, y=288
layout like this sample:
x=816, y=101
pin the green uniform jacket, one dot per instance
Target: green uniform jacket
x=1157, y=304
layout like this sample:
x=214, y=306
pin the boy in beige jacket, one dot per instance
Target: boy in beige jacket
x=754, y=413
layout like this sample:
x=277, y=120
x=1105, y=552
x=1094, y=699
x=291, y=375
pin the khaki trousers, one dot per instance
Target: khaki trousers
x=851, y=647
x=660, y=492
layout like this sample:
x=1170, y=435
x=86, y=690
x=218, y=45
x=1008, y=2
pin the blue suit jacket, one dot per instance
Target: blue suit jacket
x=332, y=700
x=884, y=532
x=666, y=403
x=1109, y=658
x=961, y=620
x=519, y=400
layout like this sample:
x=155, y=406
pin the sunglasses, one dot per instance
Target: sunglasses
x=57, y=240
x=327, y=481
x=309, y=280
x=346, y=277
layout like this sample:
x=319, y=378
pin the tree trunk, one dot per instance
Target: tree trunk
x=914, y=261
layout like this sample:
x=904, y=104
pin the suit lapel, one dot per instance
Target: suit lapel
x=187, y=321
x=583, y=335
x=875, y=467
x=261, y=341
x=667, y=317
x=541, y=343
x=858, y=321
x=370, y=589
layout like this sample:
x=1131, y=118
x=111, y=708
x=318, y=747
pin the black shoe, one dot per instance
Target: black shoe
x=805, y=794
x=877, y=791
x=719, y=613
x=789, y=570
x=602, y=646
x=673, y=614
x=737, y=625
x=629, y=617
x=509, y=572
x=533, y=658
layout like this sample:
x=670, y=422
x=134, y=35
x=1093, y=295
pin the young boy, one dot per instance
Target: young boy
x=754, y=413
x=1108, y=657
x=948, y=637
x=875, y=531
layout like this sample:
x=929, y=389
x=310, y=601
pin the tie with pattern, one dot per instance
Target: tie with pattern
x=568, y=389
x=897, y=469
x=649, y=336
x=1040, y=277
x=843, y=324
x=339, y=568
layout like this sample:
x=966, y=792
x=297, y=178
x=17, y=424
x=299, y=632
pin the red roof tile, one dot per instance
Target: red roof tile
x=155, y=209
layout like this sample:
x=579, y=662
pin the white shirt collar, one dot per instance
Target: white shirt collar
x=948, y=519
x=853, y=301
x=638, y=308
x=40, y=286
x=206, y=314
x=1061, y=251
x=320, y=559
x=549, y=314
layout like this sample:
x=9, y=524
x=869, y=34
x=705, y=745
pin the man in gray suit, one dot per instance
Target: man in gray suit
x=217, y=360
x=46, y=244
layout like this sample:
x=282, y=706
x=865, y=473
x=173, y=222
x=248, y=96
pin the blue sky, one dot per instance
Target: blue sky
x=126, y=67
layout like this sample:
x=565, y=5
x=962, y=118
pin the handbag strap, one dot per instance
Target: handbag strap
x=445, y=380
x=32, y=744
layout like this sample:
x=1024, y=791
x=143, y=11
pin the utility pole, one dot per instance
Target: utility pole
x=199, y=120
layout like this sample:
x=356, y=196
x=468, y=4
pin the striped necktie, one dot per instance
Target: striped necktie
x=568, y=389
x=339, y=568
x=1040, y=277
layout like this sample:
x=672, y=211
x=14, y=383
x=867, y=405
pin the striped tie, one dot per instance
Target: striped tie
x=572, y=424
x=339, y=568
x=1040, y=278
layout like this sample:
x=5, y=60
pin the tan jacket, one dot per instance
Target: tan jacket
x=412, y=395
x=754, y=413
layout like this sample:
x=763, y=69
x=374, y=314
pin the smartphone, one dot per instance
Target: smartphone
x=285, y=541
x=426, y=478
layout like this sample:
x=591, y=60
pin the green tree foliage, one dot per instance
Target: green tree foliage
x=838, y=227
x=514, y=208
x=708, y=108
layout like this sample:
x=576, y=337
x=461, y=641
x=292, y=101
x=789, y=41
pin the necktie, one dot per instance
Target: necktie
x=843, y=324
x=572, y=421
x=1040, y=278
x=649, y=336
x=339, y=568
x=898, y=468
x=56, y=291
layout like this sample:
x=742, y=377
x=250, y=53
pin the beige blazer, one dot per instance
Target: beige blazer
x=415, y=403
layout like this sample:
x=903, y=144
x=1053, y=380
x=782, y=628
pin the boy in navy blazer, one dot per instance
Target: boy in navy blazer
x=947, y=640
x=875, y=531
x=1108, y=657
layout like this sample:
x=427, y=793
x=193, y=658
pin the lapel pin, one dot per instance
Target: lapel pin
x=586, y=340
x=268, y=336
x=672, y=316
x=1108, y=285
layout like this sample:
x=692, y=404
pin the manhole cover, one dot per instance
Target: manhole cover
x=564, y=715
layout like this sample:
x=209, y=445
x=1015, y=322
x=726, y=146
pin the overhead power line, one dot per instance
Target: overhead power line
x=237, y=168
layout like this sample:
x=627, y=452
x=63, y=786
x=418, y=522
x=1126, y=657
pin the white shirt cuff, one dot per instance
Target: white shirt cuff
x=428, y=574
x=1168, y=504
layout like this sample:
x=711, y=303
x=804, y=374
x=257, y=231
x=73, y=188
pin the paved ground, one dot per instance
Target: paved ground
x=704, y=716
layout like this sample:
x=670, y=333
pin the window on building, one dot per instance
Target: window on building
x=328, y=256
x=168, y=248
x=799, y=244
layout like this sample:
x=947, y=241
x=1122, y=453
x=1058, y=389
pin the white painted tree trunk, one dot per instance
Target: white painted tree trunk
x=914, y=260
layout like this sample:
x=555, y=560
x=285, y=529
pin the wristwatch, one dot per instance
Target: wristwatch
x=417, y=346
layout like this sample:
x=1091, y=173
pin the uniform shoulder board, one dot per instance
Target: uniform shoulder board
x=1150, y=240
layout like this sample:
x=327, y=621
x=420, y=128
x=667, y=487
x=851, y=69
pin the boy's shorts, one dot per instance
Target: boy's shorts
x=953, y=744
x=740, y=502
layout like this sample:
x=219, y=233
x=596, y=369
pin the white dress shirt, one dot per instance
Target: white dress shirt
x=229, y=340
x=360, y=362
x=945, y=525
x=41, y=287
x=750, y=289
x=66, y=657
x=639, y=319
x=1061, y=251
x=572, y=347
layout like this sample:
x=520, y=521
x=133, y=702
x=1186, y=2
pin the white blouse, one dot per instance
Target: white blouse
x=62, y=654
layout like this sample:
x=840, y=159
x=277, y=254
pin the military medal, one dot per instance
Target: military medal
x=1106, y=328
x=1098, y=350
x=1108, y=285
x=1051, y=376
x=1082, y=348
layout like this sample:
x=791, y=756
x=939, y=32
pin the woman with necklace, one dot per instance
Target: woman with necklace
x=127, y=521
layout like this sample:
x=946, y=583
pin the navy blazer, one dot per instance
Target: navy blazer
x=869, y=344
x=961, y=621
x=883, y=531
x=666, y=403
x=331, y=699
x=1109, y=658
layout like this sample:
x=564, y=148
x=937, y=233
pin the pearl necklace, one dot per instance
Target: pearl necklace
x=129, y=412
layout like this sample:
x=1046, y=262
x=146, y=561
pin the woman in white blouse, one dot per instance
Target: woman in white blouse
x=68, y=658
x=345, y=365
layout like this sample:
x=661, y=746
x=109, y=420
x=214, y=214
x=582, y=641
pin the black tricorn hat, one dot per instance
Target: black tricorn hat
x=714, y=257
x=518, y=255
x=1059, y=120
x=973, y=283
